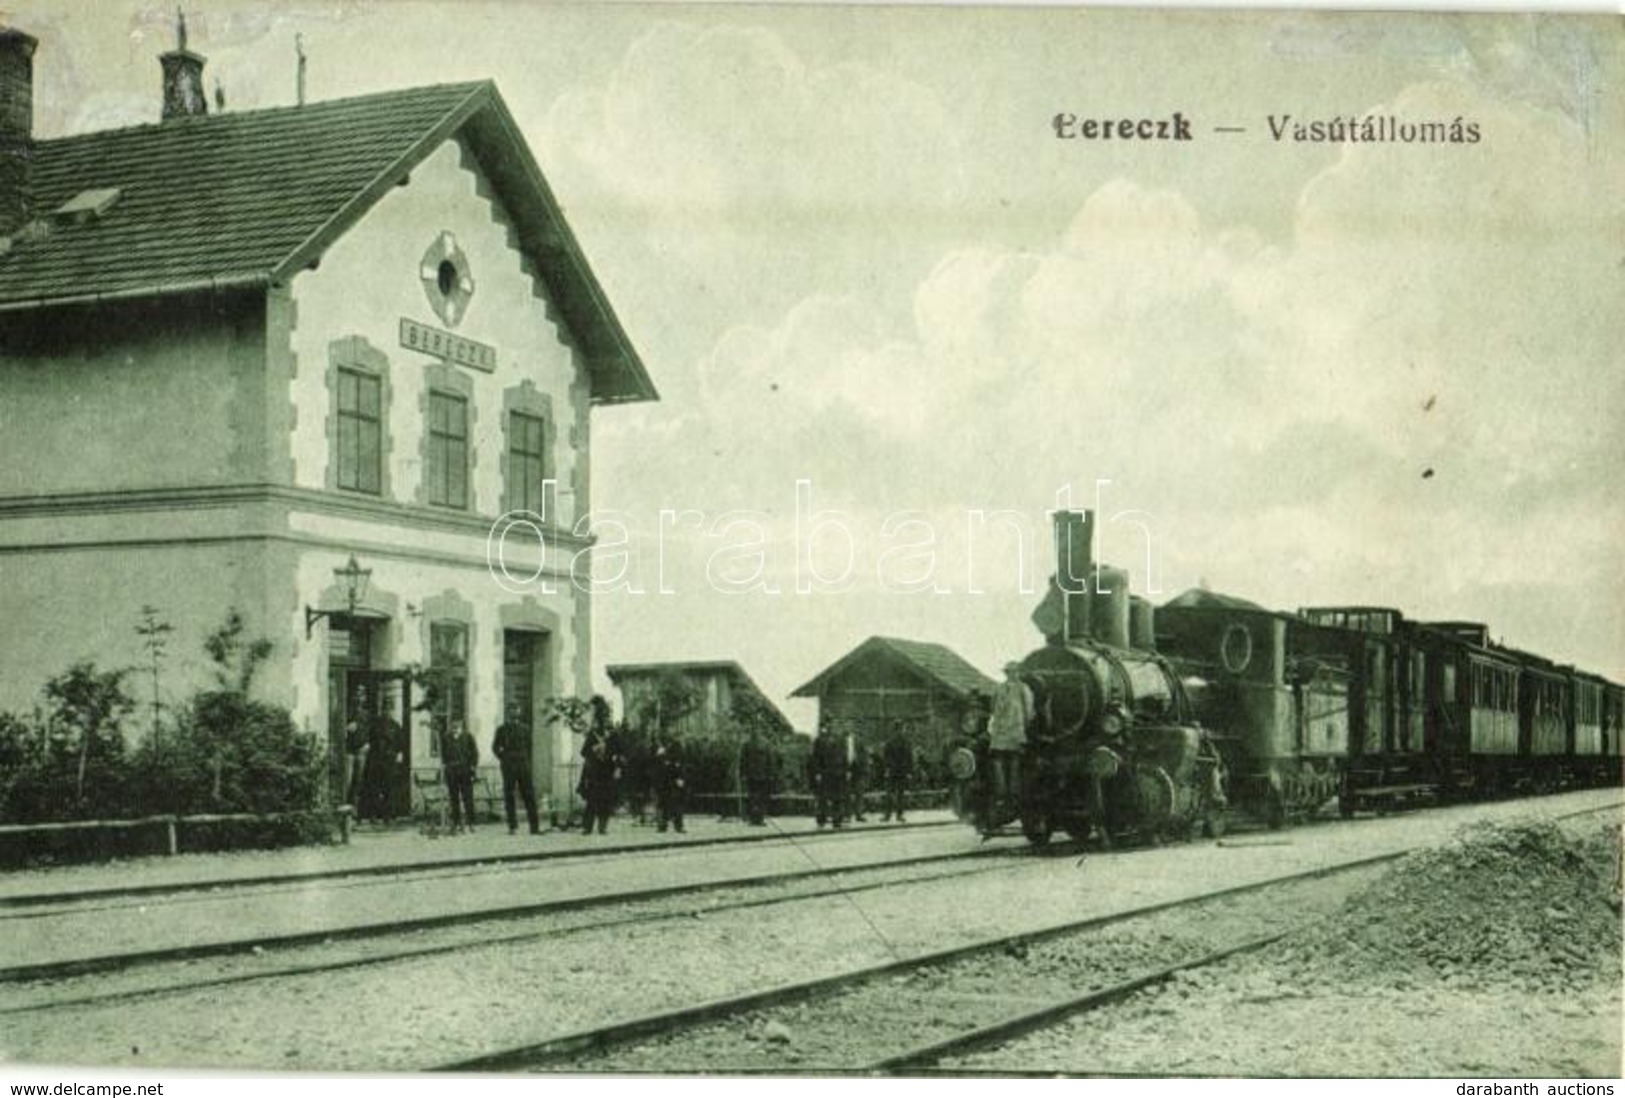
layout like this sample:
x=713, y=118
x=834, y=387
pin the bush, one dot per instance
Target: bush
x=69, y=763
x=223, y=752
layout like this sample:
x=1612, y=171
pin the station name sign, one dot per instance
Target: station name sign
x=443, y=344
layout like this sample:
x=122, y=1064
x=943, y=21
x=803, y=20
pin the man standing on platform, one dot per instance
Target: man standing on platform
x=512, y=747
x=600, y=773
x=385, y=760
x=670, y=782
x=898, y=762
x=857, y=773
x=756, y=767
x=356, y=747
x=826, y=768
x=462, y=755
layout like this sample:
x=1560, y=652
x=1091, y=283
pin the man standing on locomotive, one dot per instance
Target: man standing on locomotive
x=1007, y=739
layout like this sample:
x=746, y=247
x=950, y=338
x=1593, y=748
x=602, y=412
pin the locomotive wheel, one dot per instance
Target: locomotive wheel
x=1077, y=828
x=1275, y=810
x=1037, y=827
x=1215, y=822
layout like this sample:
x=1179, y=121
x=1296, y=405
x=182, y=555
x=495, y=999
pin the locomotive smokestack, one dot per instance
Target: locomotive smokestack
x=1074, y=562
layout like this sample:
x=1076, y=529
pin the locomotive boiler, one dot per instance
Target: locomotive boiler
x=1112, y=748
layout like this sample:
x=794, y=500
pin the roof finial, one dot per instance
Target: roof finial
x=180, y=29
x=299, y=48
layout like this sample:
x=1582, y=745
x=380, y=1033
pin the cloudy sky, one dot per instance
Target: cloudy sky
x=853, y=253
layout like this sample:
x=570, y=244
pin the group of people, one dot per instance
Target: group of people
x=374, y=744
x=460, y=762
x=603, y=764
x=841, y=768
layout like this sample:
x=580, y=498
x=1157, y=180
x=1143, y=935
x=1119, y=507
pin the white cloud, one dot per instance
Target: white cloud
x=1270, y=406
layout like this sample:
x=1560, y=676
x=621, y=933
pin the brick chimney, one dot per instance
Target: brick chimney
x=16, y=126
x=183, y=77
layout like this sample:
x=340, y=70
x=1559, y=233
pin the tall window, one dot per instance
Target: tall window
x=448, y=677
x=359, y=432
x=527, y=461
x=448, y=450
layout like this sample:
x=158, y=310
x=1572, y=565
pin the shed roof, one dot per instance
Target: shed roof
x=937, y=662
x=247, y=199
x=730, y=669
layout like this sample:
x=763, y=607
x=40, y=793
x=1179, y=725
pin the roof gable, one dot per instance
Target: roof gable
x=737, y=676
x=248, y=199
x=935, y=662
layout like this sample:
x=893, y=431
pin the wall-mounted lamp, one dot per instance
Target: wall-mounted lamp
x=354, y=578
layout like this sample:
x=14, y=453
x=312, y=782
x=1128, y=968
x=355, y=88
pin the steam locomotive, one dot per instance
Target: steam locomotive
x=1153, y=725
x=1114, y=746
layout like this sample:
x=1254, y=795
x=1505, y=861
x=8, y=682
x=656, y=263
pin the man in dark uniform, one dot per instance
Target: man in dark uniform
x=898, y=762
x=857, y=773
x=826, y=768
x=670, y=782
x=385, y=756
x=756, y=767
x=512, y=747
x=356, y=747
x=600, y=771
x=461, y=756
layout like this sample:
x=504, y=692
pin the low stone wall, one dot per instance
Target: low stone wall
x=79, y=841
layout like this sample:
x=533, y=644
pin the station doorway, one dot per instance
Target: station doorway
x=379, y=704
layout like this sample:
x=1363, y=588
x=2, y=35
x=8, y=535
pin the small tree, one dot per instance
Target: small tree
x=87, y=707
x=218, y=714
x=670, y=697
x=154, y=633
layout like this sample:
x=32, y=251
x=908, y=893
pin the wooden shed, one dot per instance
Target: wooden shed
x=885, y=679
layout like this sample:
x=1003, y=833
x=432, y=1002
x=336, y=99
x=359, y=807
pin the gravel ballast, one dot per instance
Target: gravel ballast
x=1497, y=953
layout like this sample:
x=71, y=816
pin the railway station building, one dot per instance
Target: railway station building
x=296, y=362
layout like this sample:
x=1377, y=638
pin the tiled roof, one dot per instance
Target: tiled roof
x=227, y=197
x=249, y=198
x=935, y=661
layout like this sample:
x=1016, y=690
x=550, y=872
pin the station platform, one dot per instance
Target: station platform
x=389, y=848
x=396, y=880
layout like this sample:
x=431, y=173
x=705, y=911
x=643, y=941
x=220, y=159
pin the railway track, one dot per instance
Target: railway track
x=22, y=905
x=912, y=1013
x=481, y=900
x=648, y=905
x=935, y=974
x=855, y=930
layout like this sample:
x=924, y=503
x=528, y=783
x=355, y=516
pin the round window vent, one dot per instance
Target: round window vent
x=448, y=282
